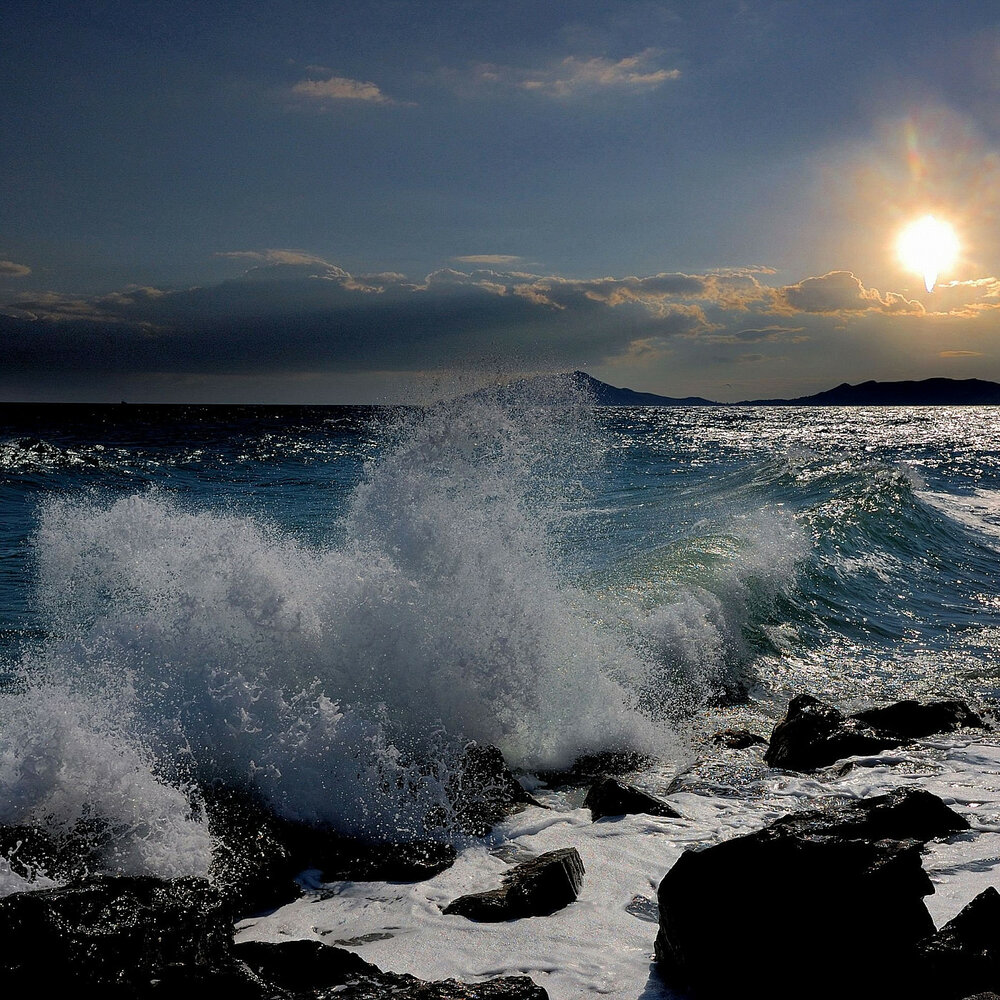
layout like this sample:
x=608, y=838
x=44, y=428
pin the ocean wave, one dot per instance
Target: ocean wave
x=337, y=681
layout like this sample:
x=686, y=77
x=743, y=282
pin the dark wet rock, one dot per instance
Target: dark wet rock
x=302, y=968
x=911, y=720
x=964, y=955
x=535, y=888
x=589, y=767
x=345, y=859
x=906, y=814
x=737, y=739
x=152, y=939
x=849, y=873
x=258, y=854
x=483, y=790
x=34, y=852
x=392, y=986
x=302, y=965
x=251, y=861
x=125, y=936
x=814, y=734
x=613, y=797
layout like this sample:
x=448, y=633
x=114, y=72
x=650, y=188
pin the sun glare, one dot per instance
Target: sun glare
x=928, y=246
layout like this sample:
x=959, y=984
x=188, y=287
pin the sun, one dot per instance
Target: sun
x=928, y=246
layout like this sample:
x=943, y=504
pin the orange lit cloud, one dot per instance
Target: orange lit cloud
x=841, y=292
x=340, y=88
x=573, y=75
x=8, y=269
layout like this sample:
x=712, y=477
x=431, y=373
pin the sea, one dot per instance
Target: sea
x=326, y=604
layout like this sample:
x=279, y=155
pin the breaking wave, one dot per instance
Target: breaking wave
x=341, y=680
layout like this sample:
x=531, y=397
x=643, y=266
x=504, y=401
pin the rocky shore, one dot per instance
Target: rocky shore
x=770, y=913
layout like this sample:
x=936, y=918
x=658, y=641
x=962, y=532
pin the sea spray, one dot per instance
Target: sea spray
x=341, y=680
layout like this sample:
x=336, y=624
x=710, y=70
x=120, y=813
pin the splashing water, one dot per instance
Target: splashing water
x=341, y=680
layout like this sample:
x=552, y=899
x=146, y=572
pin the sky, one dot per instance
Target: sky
x=324, y=201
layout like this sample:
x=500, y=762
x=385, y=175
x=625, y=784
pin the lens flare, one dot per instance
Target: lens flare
x=928, y=246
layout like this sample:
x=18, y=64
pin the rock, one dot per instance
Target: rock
x=392, y=986
x=613, y=797
x=303, y=965
x=533, y=889
x=125, y=936
x=814, y=734
x=850, y=873
x=308, y=966
x=152, y=939
x=483, y=791
x=910, y=720
x=737, y=739
x=906, y=814
x=589, y=767
x=346, y=859
x=34, y=851
x=258, y=854
x=251, y=861
x=964, y=955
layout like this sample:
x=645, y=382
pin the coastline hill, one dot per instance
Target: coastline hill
x=927, y=392
x=603, y=394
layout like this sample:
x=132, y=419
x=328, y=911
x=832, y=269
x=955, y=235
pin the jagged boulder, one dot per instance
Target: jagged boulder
x=848, y=873
x=613, y=797
x=34, y=851
x=392, y=986
x=737, y=739
x=535, y=888
x=258, y=853
x=964, y=955
x=913, y=720
x=307, y=967
x=814, y=734
x=151, y=939
x=483, y=790
x=587, y=768
x=127, y=937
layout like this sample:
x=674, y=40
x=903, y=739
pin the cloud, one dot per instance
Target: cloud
x=765, y=333
x=295, y=264
x=574, y=75
x=288, y=310
x=276, y=257
x=965, y=299
x=340, y=88
x=293, y=310
x=499, y=259
x=960, y=354
x=841, y=292
x=8, y=269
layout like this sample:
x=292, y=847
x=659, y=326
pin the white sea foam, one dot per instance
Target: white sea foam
x=978, y=510
x=602, y=944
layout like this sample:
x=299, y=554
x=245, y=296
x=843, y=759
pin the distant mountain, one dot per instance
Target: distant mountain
x=608, y=395
x=927, y=392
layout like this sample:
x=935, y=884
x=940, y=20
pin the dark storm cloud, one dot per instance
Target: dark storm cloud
x=293, y=311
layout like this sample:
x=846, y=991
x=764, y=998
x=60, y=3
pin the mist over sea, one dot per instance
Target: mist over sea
x=325, y=604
